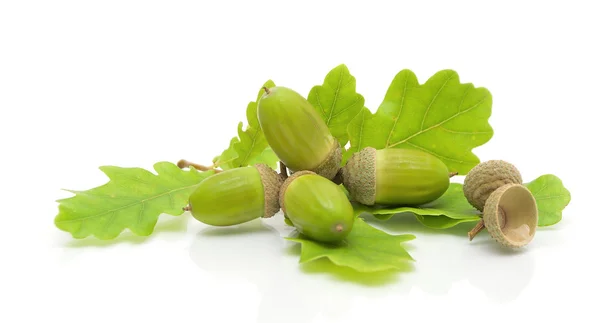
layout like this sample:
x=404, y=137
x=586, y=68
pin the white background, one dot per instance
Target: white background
x=131, y=83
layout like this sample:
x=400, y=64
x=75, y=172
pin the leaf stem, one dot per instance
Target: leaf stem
x=478, y=227
x=266, y=90
x=452, y=174
x=186, y=164
x=283, y=170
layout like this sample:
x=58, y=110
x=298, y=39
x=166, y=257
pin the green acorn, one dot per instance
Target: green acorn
x=395, y=176
x=236, y=196
x=297, y=133
x=316, y=207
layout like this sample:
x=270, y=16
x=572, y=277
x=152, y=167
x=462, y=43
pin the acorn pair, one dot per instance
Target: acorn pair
x=314, y=205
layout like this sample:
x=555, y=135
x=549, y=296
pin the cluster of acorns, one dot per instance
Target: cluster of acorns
x=311, y=198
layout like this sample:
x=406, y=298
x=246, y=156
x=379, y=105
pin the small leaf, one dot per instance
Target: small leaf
x=365, y=249
x=267, y=157
x=357, y=126
x=337, y=101
x=442, y=117
x=452, y=204
x=247, y=148
x=227, y=158
x=133, y=199
x=551, y=198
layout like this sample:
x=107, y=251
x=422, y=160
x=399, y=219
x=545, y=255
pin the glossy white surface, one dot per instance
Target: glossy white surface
x=130, y=83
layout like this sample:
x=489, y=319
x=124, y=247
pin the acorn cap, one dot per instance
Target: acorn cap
x=511, y=215
x=486, y=177
x=331, y=165
x=359, y=174
x=272, y=182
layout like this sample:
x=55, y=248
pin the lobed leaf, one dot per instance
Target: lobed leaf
x=551, y=198
x=250, y=145
x=443, y=117
x=132, y=199
x=365, y=249
x=337, y=101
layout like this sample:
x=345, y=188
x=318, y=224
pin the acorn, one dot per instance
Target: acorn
x=509, y=209
x=297, y=133
x=316, y=207
x=395, y=176
x=483, y=179
x=236, y=196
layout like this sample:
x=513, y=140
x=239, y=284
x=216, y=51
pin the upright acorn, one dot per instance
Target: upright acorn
x=316, y=206
x=395, y=176
x=236, y=196
x=297, y=133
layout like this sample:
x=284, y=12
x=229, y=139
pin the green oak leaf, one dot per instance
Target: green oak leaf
x=365, y=249
x=226, y=160
x=337, y=101
x=267, y=157
x=452, y=205
x=132, y=199
x=551, y=198
x=443, y=117
x=248, y=148
x=442, y=221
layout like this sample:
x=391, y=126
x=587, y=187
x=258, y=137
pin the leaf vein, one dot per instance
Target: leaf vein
x=398, y=115
x=439, y=124
x=128, y=205
x=335, y=97
x=433, y=100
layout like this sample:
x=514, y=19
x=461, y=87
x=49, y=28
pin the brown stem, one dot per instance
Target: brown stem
x=338, y=179
x=452, y=174
x=185, y=164
x=266, y=90
x=283, y=170
x=478, y=227
x=187, y=208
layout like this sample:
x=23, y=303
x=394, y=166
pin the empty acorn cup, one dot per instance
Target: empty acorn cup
x=511, y=215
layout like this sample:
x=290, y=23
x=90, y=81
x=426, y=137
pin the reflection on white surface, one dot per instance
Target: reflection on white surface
x=444, y=257
x=292, y=292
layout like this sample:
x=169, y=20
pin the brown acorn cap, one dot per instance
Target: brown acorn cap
x=331, y=165
x=511, y=215
x=287, y=183
x=486, y=177
x=358, y=176
x=271, y=181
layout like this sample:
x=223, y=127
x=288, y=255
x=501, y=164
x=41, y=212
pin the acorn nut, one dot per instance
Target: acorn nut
x=486, y=177
x=317, y=208
x=297, y=133
x=236, y=196
x=395, y=176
